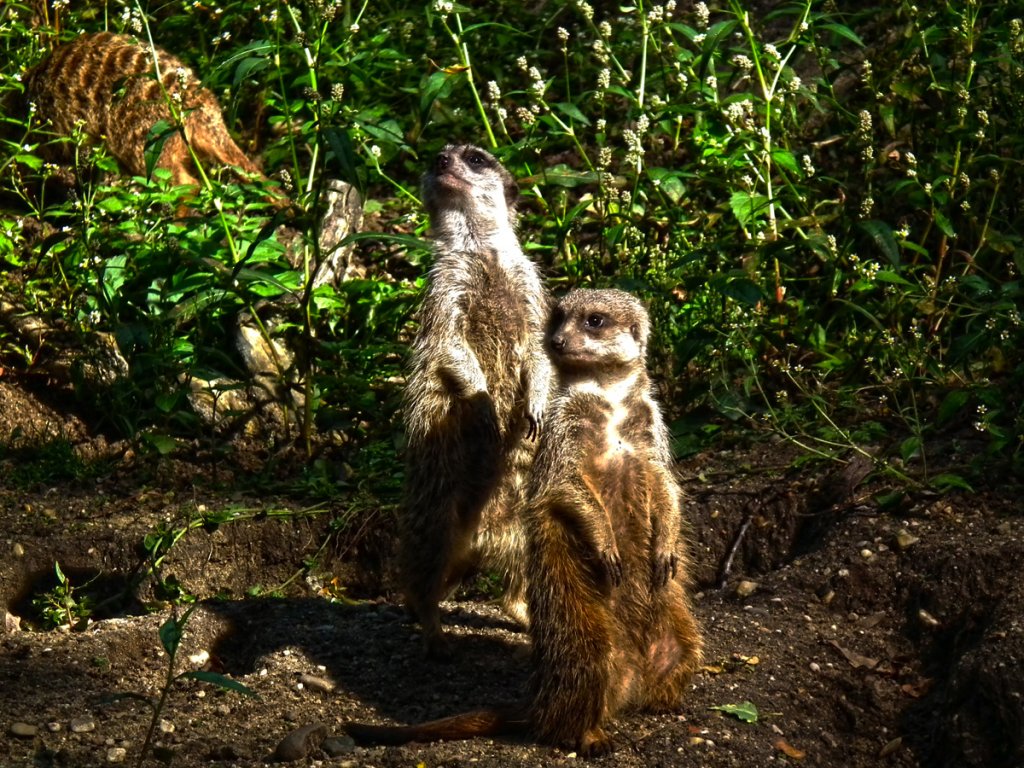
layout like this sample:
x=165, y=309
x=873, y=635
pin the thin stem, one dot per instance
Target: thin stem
x=464, y=60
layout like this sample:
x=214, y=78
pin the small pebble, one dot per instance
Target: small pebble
x=905, y=539
x=815, y=666
x=83, y=725
x=23, y=730
x=12, y=623
x=200, y=658
x=867, y=554
x=336, y=746
x=317, y=683
x=116, y=754
x=53, y=727
x=166, y=726
x=746, y=588
x=18, y=550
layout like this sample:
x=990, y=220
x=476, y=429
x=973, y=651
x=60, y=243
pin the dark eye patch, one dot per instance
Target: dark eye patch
x=595, y=321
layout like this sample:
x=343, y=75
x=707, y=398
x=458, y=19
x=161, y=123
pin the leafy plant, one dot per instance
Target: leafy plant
x=64, y=604
x=171, y=633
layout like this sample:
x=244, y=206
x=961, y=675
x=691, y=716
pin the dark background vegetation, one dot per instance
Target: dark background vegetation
x=820, y=203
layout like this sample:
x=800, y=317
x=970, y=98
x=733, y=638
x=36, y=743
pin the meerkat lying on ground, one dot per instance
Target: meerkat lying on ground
x=477, y=389
x=107, y=83
x=611, y=623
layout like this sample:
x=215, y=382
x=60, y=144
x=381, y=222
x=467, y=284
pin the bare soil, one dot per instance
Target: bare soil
x=865, y=634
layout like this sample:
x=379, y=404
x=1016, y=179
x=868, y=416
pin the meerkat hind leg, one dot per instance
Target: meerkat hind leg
x=438, y=566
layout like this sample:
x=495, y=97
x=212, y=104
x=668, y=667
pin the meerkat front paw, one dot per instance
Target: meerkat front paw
x=611, y=565
x=534, y=417
x=664, y=568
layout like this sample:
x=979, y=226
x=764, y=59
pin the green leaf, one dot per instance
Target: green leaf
x=114, y=276
x=888, y=276
x=344, y=154
x=785, y=160
x=572, y=112
x=882, y=234
x=910, y=448
x=222, y=682
x=171, y=632
x=248, y=67
x=563, y=176
x=746, y=711
x=746, y=206
x=32, y=161
x=164, y=444
x=158, y=135
x=942, y=222
x=438, y=85
x=669, y=183
x=741, y=289
x=388, y=131
x=952, y=404
x=844, y=31
x=949, y=481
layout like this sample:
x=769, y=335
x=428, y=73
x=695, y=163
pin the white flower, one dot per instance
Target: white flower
x=702, y=13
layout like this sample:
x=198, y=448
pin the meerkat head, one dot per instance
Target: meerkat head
x=468, y=184
x=598, y=332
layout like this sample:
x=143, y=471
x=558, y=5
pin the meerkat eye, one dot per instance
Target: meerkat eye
x=476, y=160
x=595, y=321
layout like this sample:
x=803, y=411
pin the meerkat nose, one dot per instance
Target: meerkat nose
x=558, y=342
x=442, y=162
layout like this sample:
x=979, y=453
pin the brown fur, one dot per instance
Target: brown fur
x=610, y=619
x=477, y=387
x=107, y=81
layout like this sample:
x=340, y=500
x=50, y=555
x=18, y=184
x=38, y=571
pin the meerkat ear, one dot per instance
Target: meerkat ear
x=511, y=193
x=635, y=330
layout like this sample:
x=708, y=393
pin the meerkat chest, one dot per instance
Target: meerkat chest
x=614, y=437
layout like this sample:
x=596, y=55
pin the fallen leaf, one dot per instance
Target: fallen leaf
x=891, y=747
x=789, y=750
x=872, y=621
x=918, y=688
x=746, y=711
x=713, y=669
x=856, y=660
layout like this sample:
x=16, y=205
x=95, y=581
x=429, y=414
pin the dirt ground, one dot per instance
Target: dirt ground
x=864, y=634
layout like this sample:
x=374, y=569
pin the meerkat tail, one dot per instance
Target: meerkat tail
x=468, y=725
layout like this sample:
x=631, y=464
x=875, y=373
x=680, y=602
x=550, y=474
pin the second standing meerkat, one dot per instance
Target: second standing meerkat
x=477, y=389
x=611, y=619
x=611, y=622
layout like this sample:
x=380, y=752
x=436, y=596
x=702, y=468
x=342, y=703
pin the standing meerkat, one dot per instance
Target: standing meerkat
x=477, y=389
x=108, y=84
x=611, y=623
